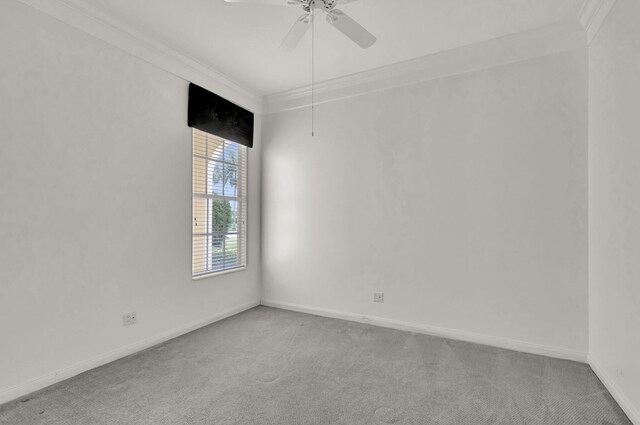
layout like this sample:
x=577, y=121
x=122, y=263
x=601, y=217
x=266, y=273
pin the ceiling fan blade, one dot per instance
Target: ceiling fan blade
x=266, y=2
x=346, y=25
x=297, y=31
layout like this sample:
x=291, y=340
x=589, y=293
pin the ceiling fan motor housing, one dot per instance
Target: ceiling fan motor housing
x=326, y=5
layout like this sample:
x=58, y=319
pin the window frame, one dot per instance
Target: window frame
x=242, y=198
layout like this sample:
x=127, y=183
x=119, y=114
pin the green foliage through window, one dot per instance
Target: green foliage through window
x=221, y=218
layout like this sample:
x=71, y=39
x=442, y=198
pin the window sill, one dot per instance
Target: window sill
x=220, y=273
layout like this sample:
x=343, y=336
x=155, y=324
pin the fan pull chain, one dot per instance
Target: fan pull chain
x=313, y=47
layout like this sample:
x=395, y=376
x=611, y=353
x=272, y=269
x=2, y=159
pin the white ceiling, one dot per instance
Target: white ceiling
x=242, y=40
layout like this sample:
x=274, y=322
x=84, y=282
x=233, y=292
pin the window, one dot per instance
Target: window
x=219, y=205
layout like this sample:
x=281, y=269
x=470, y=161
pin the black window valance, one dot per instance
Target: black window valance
x=215, y=115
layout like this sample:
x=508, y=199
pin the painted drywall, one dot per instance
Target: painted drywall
x=614, y=202
x=95, y=179
x=463, y=199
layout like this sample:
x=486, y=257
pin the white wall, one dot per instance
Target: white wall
x=614, y=202
x=463, y=199
x=95, y=174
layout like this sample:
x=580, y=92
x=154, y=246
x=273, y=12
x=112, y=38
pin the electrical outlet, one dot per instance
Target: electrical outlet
x=378, y=297
x=129, y=319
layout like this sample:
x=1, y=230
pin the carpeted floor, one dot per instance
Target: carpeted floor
x=268, y=366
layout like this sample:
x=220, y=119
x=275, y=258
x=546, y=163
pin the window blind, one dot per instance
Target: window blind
x=219, y=204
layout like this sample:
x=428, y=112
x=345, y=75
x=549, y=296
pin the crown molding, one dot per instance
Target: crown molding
x=495, y=52
x=95, y=23
x=513, y=48
x=593, y=14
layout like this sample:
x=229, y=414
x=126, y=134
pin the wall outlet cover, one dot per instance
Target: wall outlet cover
x=129, y=319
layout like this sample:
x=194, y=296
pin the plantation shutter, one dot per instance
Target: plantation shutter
x=219, y=204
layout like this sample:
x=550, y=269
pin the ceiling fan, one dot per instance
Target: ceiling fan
x=340, y=20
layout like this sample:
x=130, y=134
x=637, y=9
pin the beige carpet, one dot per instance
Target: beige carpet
x=268, y=366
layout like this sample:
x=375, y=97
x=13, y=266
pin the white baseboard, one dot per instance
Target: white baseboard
x=615, y=391
x=509, y=344
x=20, y=390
